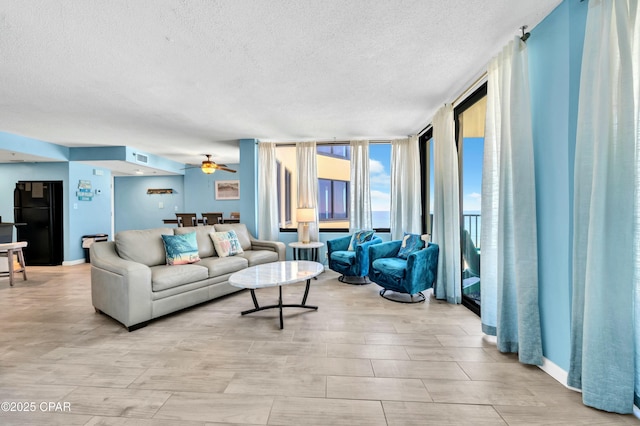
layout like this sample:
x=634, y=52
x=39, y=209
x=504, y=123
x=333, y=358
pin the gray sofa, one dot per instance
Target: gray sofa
x=131, y=282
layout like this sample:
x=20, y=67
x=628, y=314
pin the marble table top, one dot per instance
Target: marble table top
x=276, y=273
x=309, y=245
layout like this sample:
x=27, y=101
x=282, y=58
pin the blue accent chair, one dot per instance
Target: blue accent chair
x=353, y=265
x=406, y=278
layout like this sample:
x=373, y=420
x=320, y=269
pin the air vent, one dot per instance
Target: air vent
x=141, y=158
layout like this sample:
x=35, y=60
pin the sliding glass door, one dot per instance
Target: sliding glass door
x=470, y=121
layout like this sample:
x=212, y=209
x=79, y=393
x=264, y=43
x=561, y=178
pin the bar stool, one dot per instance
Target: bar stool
x=7, y=250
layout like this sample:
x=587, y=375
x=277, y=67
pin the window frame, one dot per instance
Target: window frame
x=332, y=144
x=332, y=199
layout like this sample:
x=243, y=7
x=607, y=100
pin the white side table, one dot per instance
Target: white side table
x=312, y=246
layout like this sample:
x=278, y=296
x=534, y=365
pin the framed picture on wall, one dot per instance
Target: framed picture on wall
x=227, y=190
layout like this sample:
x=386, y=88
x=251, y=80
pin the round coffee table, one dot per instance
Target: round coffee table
x=277, y=274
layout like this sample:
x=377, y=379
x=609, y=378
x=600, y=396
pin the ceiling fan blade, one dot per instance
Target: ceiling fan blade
x=225, y=169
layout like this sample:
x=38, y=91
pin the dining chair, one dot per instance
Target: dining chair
x=212, y=218
x=187, y=219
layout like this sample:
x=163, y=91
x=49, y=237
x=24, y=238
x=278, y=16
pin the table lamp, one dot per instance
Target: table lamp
x=304, y=216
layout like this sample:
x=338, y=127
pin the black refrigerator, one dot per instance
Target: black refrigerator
x=39, y=205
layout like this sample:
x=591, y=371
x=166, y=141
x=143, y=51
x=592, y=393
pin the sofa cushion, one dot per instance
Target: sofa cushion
x=164, y=276
x=258, y=257
x=205, y=245
x=391, y=266
x=410, y=244
x=360, y=237
x=226, y=243
x=241, y=231
x=218, y=266
x=344, y=257
x=142, y=246
x=181, y=249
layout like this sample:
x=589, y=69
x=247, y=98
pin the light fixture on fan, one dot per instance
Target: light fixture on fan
x=209, y=167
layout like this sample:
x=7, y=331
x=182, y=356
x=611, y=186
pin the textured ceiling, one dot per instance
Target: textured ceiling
x=180, y=78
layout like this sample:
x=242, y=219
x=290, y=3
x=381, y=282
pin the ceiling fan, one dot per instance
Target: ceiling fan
x=209, y=166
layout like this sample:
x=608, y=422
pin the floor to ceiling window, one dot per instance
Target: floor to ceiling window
x=470, y=122
x=427, y=178
x=334, y=175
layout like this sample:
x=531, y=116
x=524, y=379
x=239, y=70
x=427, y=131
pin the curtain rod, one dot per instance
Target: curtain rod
x=372, y=142
x=471, y=88
x=465, y=93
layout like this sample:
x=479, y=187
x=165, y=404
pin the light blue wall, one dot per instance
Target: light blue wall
x=87, y=217
x=31, y=146
x=554, y=67
x=248, y=174
x=135, y=209
x=90, y=217
x=200, y=195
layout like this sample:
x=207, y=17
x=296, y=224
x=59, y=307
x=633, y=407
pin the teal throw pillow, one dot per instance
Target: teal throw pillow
x=360, y=237
x=181, y=249
x=410, y=244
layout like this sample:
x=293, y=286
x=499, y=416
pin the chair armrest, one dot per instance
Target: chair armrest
x=362, y=254
x=422, y=265
x=338, y=244
x=388, y=249
x=275, y=246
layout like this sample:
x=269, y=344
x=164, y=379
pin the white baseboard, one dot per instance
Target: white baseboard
x=561, y=376
x=556, y=372
x=73, y=262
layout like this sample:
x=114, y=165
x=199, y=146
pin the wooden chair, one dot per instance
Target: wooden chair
x=7, y=250
x=212, y=218
x=187, y=219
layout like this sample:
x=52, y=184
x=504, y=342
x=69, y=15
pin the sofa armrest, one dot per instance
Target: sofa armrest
x=104, y=256
x=275, y=246
x=338, y=244
x=120, y=288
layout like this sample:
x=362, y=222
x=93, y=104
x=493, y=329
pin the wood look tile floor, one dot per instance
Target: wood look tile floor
x=358, y=360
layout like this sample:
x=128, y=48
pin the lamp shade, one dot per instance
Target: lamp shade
x=306, y=215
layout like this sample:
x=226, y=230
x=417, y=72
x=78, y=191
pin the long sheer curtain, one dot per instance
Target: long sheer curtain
x=509, y=260
x=446, y=210
x=307, y=166
x=405, y=187
x=360, y=191
x=268, y=228
x=606, y=256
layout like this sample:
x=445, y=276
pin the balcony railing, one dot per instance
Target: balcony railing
x=472, y=223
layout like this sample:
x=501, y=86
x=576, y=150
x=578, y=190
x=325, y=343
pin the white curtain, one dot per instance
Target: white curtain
x=509, y=260
x=268, y=227
x=360, y=198
x=405, y=187
x=307, y=166
x=446, y=210
x=605, y=335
